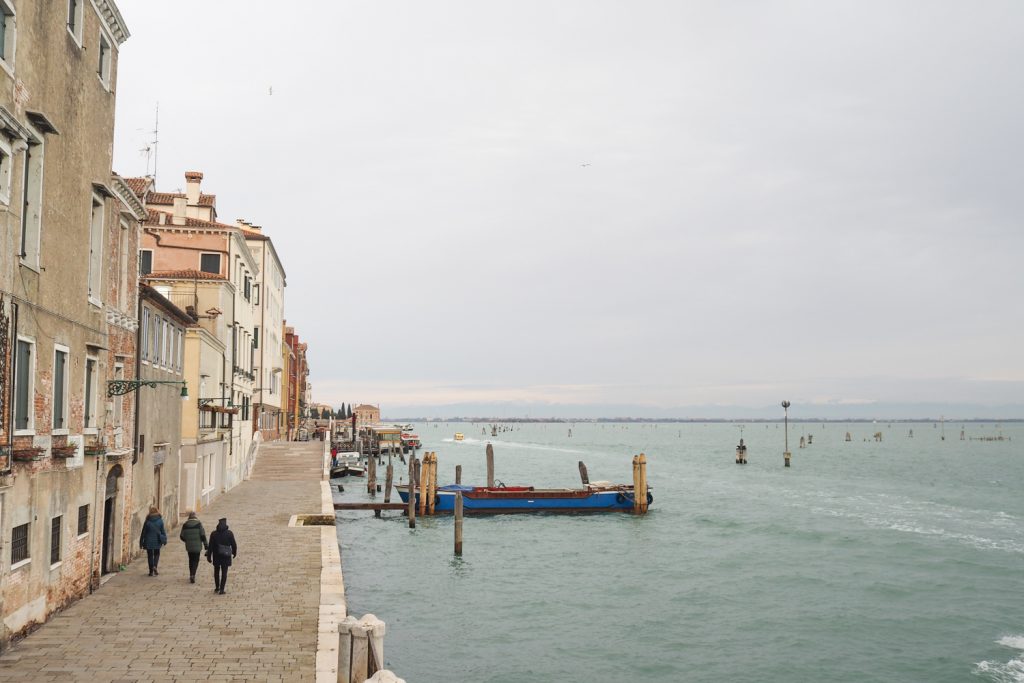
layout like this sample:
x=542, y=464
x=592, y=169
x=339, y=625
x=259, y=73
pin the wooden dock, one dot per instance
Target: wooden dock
x=369, y=506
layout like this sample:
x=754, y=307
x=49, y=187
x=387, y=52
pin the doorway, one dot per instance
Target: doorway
x=108, y=557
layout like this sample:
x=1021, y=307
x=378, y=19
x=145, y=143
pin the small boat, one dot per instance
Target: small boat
x=347, y=465
x=596, y=497
x=459, y=436
x=411, y=443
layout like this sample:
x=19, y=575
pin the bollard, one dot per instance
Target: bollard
x=458, y=523
x=490, y=466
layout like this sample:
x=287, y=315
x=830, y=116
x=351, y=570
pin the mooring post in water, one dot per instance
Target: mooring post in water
x=639, y=484
x=432, y=484
x=583, y=474
x=389, y=479
x=371, y=476
x=803, y=442
x=424, y=470
x=412, y=493
x=458, y=474
x=848, y=438
x=741, y=453
x=458, y=523
x=490, y=466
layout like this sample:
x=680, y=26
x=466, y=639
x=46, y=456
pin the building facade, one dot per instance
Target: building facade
x=67, y=310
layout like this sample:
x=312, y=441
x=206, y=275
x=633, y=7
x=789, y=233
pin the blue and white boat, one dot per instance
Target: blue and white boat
x=597, y=497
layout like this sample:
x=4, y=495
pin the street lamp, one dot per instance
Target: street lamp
x=120, y=387
x=785, y=455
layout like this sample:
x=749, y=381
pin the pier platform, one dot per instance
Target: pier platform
x=141, y=628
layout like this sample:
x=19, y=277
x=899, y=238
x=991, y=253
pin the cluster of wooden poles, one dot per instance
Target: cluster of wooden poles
x=640, y=484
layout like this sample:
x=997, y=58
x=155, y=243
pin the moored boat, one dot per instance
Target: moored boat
x=459, y=436
x=597, y=497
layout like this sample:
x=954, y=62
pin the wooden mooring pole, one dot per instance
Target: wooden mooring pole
x=458, y=523
x=424, y=472
x=371, y=476
x=432, y=484
x=583, y=474
x=458, y=474
x=412, y=493
x=388, y=481
x=490, y=466
x=640, y=484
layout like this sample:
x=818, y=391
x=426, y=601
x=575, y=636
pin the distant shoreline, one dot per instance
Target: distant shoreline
x=694, y=420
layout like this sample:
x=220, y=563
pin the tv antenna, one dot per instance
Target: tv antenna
x=150, y=150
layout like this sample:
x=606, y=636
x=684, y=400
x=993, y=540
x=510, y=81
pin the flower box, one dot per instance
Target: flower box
x=95, y=450
x=68, y=451
x=28, y=454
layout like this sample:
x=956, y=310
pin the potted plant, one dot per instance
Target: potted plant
x=68, y=450
x=28, y=453
x=96, y=447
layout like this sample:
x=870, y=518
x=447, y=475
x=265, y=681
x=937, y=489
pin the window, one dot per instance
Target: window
x=83, y=519
x=60, y=389
x=145, y=261
x=118, y=400
x=256, y=294
x=123, y=252
x=256, y=337
x=6, y=161
x=24, y=376
x=179, y=363
x=55, y=539
x=31, y=203
x=164, y=350
x=7, y=26
x=75, y=19
x=144, y=335
x=247, y=288
x=96, y=249
x=209, y=263
x=103, y=68
x=90, y=393
x=19, y=544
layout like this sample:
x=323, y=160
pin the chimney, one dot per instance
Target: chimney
x=179, y=211
x=192, y=181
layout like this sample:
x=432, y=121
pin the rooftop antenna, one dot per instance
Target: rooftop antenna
x=150, y=149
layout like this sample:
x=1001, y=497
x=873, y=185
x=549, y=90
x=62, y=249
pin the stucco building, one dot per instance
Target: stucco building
x=366, y=415
x=67, y=310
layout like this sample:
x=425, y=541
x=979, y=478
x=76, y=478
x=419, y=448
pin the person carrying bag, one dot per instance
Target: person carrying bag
x=221, y=550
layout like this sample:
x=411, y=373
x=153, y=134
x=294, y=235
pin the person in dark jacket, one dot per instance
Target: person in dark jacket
x=194, y=535
x=222, y=548
x=154, y=536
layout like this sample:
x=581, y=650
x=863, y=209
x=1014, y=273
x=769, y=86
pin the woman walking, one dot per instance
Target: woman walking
x=220, y=551
x=154, y=535
x=194, y=535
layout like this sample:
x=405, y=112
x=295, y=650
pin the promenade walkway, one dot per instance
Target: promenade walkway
x=138, y=628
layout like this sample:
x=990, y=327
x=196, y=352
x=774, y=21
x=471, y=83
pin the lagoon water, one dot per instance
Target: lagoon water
x=894, y=561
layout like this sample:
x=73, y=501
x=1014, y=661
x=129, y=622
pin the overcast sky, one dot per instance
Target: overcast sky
x=588, y=202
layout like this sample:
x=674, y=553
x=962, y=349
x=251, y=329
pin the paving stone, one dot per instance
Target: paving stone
x=140, y=628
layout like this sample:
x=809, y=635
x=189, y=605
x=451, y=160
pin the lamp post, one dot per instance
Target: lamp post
x=785, y=455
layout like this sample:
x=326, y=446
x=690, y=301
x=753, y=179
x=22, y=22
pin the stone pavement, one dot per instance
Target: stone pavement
x=141, y=628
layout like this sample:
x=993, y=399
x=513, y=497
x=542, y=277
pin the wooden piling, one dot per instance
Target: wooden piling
x=786, y=456
x=490, y=466
x=412, y=493
x=424, y=469
x=432, y=484
x=458, y=474
x=583, y=474
x=371, y=476
x=643, y=484
x=388, y=481
x=458, y=523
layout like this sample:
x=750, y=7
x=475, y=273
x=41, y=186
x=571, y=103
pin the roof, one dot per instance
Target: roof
x=366, y=405
x=138, y=185
x=163, y=302
x=154, y=219
x=167, y=198
x=182, y=275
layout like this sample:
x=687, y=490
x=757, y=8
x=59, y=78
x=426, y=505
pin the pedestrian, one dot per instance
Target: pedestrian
x=154, y=536
x=194, y=535
x=220, y=551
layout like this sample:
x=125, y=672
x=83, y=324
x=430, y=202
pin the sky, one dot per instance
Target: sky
x=648, y=206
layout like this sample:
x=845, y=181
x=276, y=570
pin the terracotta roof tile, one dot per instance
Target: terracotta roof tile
x=138, y=185
x=167, y=198
x=182, y=275
x=154, y=220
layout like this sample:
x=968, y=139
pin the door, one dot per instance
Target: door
x=108, y=534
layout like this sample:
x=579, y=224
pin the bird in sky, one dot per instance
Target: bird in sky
x=585, y=165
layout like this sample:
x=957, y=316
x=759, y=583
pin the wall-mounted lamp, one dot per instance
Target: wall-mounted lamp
x=120, y=387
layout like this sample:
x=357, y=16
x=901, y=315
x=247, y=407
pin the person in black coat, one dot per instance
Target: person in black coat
x=221, y=549
x=154, y=537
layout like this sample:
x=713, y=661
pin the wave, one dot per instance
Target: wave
x=516, y=444
x=1011, y=671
